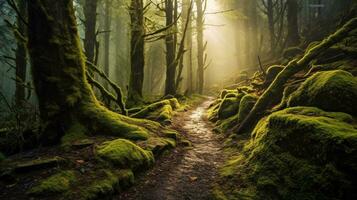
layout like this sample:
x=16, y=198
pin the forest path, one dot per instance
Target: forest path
x=187, y=173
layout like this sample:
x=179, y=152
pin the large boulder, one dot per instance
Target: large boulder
x=331, y=91
x=245, y=105
x=299, y=153
x=229, y=106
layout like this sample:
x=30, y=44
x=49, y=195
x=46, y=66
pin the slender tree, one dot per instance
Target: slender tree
x=170, y=87
x=90, y=14
x=200, y=46
x=187, y=59
x=293, y=37
x=136, y=52
x=21, y=55
x=107, y=30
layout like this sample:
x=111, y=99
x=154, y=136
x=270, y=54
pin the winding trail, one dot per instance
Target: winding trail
x=187, y=173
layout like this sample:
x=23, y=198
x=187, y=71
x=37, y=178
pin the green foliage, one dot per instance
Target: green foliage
x=295, y=152
x=330, y=91
x=57, y=183
x=125, y=154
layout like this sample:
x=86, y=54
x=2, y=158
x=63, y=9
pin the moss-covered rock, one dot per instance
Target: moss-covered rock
x=292, y=52
x=125, y=154
x=158, y=145
x=298, y=153
x=271, y=73
x=246, y=104
x=161, y=111
x=110, y=183
x=230, y=93
x=331, y=91
x=229, y=107
x=57, y=183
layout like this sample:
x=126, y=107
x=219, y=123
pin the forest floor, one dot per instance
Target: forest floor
x=187, y=172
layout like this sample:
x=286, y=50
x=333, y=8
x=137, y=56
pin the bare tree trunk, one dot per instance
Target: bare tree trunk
x=90, y=14
x=107, y=29
x=293, y=38
x=270, y=14
x=170, y=87
x=21, y=57
x=188, y=44
x=200, y=46
x=136, y=52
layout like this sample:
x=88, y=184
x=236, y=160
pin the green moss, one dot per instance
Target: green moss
x=225, y=92
x=125, y=154
x=331, y=91
x=57, y=183
x=169, y=133
x=109, y=184
x=76, y=132
x=295, y=152
x=245, y=105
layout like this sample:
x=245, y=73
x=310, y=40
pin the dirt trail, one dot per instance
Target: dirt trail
x=186, y=173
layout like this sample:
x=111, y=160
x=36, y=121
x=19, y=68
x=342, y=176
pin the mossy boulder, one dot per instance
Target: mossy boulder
x=296, y=152
x=230, y=93
x=272, y=72
x=125, y=154
x=229, y=107
x=57, y=183
x=246, y=104
x=292, y=52
x=158, y=145
x=331, y=91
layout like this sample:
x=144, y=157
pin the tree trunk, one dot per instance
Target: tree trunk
x=187, y=59
x=136, y=52
x=21, y=57
x=66, y=101
x=107, y=29
x=90, y=14
x=270, y=14
x=170, y=83
x=293, y=38
x=200, y=46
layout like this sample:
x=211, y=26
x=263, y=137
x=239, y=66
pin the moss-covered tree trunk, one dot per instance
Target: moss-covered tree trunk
x=66, y=101
x=21, y=56
x=136, y=52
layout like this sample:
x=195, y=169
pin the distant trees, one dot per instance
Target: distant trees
x=293, y=37
x=90, y=36
x=201, y=7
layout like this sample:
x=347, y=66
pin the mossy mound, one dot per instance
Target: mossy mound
x=298, y=153
x=158, y=145
x=292, y=52
x=331, y=91
x=230, y=93
x=272, y=72
x=110, y=183
x=246, y=104
x=161, y=111
x=57, y=183
x=229, y=106
x=125, y=154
